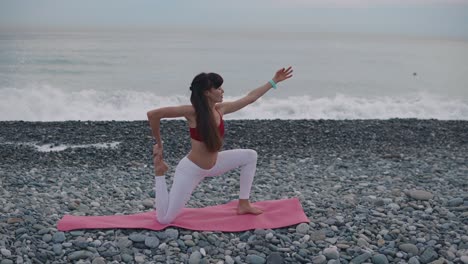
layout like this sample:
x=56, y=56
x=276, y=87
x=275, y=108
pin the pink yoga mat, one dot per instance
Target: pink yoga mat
x=276, y=213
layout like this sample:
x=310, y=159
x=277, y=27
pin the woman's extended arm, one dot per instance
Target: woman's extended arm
x=230, y=107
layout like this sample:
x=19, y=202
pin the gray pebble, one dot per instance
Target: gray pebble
x=140, y=258
x=428, y=255
x=82, y=254
x=320, y=259
x=58, y=237
x=76, y=233
x=464, y=259
x=413, y=260
x=152, y=242
x=362, y=242
x=127, y=258
x=195, y=257
x=172, y=233
x=380, y=259
x=455, y=202
x=302, y=228
x=254, y=259
x=6, y=261
x=420, y=195
x=99, y=260
x=229, y=260
x=57, y=248
x=275, y=258
x=123, y=243
x=361, y=258
x=331, y=253
x=67, y=244
x=409, y=248
x=47, y=238
x=5, y=252
x=135, y=237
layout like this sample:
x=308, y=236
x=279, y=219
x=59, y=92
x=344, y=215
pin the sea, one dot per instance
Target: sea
x=120, y=74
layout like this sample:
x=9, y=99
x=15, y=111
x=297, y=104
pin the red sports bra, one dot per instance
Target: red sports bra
x=194, y=131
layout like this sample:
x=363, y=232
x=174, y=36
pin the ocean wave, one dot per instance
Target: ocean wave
x=47, y=103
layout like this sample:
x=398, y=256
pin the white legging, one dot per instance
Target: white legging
x=188, y=175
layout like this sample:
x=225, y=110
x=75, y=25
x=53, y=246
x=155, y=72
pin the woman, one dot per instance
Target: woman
x=205, y=119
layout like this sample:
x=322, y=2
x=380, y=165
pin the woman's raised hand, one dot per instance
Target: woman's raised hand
x=283, y=74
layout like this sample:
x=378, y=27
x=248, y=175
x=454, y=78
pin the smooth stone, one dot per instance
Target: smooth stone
x=152, y=242
x=361, y=258
x=14, y=220
x=148, y=203
x=380, y=259
x=58, y=249
x=5, y=252
x=420, y=195
x=331, y=253
x=99, y=260
x=393, y=206
x=76, y=233
x=127, y=258
x=58, y=237
x=254, y=259
x=137, y=237
x=320, y=259
x=47, y=238
x=409, y=248
x=43, y=231
x=6, y=261
x=275, y=258
x=302, y=228
x=455, y=202
x=195, y=257
x=82, y=254
x=189, y=243
x=413, y=260
x=172, y=233
x=124, y=242
x=428, y=255
x=229, y=260
x=317, y=236
x=362, y=242
x=241, y=245
x=140, y=258
x=464, y=259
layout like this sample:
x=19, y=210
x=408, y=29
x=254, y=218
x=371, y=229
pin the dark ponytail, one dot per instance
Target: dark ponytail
x=206, y=124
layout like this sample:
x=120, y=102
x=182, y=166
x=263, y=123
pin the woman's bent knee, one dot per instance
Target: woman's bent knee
x=252, y=154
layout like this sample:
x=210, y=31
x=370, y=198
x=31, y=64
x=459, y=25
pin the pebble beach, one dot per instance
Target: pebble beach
x=375, y=191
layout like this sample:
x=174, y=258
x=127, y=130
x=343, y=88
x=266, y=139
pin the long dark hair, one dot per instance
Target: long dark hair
x=206, y=124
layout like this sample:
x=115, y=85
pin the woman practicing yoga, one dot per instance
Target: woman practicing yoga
x=205, y=119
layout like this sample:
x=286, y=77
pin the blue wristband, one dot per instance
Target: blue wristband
x=273, y=84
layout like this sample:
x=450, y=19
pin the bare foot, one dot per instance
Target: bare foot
x=248, y=209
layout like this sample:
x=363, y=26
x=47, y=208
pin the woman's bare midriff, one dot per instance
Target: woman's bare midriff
x=201, y=156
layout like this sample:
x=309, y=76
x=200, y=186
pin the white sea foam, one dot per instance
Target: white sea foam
x=46, y=103
x=54, y=148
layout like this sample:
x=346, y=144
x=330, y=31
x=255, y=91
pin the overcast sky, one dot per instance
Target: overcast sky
x=425, y=17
